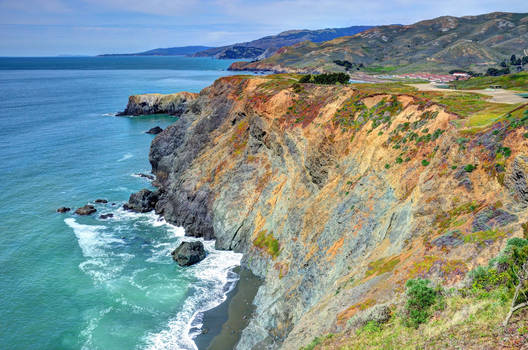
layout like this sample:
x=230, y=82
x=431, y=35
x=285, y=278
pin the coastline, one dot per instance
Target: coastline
x=223, y=325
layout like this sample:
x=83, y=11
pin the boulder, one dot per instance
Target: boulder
x=106, y=216
x=154, y=131
x=189, y=253
x=142, y=201
x=379, y=313
x=101, y=201
x=86, y=210
x=63, y=210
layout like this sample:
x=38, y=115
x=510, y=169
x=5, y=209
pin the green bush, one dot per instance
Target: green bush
x=420, y=298
x=399, y=160
x=425, y=162
x=305, y=79
x=387, y=166
x=469, y=168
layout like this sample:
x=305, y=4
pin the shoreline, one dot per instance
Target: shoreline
x=223, y=325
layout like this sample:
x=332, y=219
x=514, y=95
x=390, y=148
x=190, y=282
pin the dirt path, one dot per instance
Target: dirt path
x=497, y=95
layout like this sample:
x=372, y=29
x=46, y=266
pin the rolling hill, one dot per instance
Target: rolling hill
x=267, y=46
x=437, y=45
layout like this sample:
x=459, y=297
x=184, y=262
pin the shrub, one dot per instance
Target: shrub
x=469, y=168
x=425, y=162
x=268, y=243
x=305, y=79
x=387, y=166
x=399, y=160
x=420, y=298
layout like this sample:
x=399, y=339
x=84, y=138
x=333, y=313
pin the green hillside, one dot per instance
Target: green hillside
x=437, y=45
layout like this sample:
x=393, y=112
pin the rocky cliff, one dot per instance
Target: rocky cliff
x=174, y=104
x=337, y=195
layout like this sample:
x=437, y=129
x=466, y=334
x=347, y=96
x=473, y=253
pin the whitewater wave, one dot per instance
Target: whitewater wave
x=125, y=157
x=108, y=262
x=215, y=280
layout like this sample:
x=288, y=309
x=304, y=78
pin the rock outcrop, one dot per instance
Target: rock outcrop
x=173, y=104
x=88, y=209
x=336, y=196
x=142, y=201
x=189, y=253
x=63, y=210
x=154, y=131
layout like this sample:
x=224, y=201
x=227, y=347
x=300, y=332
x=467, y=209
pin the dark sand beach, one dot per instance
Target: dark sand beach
x=223, y=325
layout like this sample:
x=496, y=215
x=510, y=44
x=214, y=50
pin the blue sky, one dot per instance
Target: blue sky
x=52, y=27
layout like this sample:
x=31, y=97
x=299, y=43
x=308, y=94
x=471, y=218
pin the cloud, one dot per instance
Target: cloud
x=130, y=25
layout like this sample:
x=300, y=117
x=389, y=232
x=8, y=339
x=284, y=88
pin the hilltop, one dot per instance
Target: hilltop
x=437, y=45
x=267, y=46
x=263, y=47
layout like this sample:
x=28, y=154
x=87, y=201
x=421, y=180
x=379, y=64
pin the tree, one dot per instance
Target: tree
x=503, y=64
x=513, y=59
x=305, y=78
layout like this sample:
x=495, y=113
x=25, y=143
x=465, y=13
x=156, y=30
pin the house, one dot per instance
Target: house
x=461, y=76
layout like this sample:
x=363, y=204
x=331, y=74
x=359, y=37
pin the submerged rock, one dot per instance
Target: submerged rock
x=101, y=201
x=146, y=176
x=63, y=210
x=86, y=210
x=189, y=253
x=155, y=130
x=142, y=201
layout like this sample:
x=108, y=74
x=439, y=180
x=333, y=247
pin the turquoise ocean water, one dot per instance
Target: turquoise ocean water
x=69, y=282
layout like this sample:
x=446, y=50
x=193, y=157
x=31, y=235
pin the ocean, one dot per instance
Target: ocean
x=71, y=282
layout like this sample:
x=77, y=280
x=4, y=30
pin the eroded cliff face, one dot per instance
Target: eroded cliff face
x=173, y=104
x=337, y=196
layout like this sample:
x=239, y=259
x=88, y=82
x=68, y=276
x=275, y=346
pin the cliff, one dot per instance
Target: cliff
x=173, y=104
x=337, y=195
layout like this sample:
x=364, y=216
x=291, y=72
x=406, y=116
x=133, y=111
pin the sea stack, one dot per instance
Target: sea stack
x=189, y=253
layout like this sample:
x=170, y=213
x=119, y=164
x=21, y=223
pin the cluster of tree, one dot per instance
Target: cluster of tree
x=348, y=65
x=515, y=61
x=494, y=72
x=326, y=78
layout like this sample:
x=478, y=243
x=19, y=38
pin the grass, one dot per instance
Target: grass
x=464, y=320
x=381, y=266
x=518, y=82
x=266, y=242
x=493, y=113
x=483, y=236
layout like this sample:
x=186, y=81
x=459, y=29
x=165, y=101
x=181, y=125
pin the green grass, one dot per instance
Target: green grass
x=518, y=82
x=268, y=243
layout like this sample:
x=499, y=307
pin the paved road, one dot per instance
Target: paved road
x=497, y=95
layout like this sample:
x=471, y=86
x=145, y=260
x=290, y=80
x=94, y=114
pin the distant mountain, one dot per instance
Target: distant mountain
x=170, y=51
x=437, y=45
x=267, y=46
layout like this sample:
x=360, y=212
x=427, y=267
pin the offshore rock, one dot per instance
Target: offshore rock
x=173, y=104
x=63, y=210
x=101, y=201
x=86, y=210
x=189, y=253
x=154, y=131
x=142, y=201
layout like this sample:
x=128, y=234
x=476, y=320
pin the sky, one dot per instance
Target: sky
x=90, y=27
